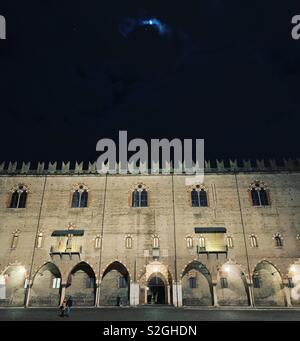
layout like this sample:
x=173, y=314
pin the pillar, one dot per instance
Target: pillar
x=215, y=297
x=134, y=294
x=251, y=296
x=62, y=292
x=177, y=294
x=97, y=298
x=287, y=292
x=28, y=290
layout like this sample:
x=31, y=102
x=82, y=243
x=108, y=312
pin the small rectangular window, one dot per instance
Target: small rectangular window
x=122, y=282
x=56, y=283
x=256, y=282
x=290, y=283
x=193, y=282
x=224, y=282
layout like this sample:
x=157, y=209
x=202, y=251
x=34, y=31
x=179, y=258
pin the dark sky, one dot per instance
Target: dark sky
x=227, y=71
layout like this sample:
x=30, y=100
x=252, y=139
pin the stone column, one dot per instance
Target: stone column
x=215, y=297
x=134, y=294
x=62, y=292
x=250, y=291
x=97, y=298
x=177, y=294
x=27, y=293
x=287, y=292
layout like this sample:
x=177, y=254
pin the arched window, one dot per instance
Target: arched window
x=97, y=242
x=128, y=242
x=139, y=196
x=189, y=242
x=229, y=242
x=259, y=194
x=253, y=241
x=39, y=241
x=18, y=197
x=278, y=240
x=80, y=196
x=15, y=239
x=155, y=241
x=199, y=196
x=202, y=243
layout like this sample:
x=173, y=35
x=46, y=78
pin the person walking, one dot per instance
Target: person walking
x=69, y=305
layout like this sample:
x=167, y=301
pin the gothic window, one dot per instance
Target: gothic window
x=122, y=282
x=189, y=242
x=140, y=196
x=278, y=240
x=229, y=242
x=155, y=241
x=259, y=194
x=128, y=242
x=80, y=196
x=39, y=240
x=97, y=242
x=15, y=239
x=18, y=197
x=253, y=241
x=199, y=196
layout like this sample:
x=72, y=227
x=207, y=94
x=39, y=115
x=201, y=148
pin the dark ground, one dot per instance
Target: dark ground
x=151, y=314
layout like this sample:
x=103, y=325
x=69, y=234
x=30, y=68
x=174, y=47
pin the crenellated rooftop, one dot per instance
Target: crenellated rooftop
x=217, y=166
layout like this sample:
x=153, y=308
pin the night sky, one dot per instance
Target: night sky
x=226, y=71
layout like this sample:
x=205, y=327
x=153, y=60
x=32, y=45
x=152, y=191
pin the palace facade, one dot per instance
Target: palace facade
x=145, y=239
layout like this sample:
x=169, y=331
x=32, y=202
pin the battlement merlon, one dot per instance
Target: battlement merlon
x=82, y=168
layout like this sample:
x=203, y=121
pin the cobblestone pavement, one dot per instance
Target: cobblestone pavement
x=150, y=314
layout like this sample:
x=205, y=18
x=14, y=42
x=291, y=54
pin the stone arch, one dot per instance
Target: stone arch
x=267, y=285
x=232, y=287
x=160, y=271
x=46, y=286
x=81, y=285
x=157, y=288
x=294, y=282
x=12, y=289
x=197, y=286
x=115, y=282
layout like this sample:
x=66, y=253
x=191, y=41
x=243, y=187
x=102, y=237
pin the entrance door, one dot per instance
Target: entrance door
x=157, y=291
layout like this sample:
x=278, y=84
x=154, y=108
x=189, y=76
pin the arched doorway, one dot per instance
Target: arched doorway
x=81, y=285
x=267, y=285
x=196, y=285
x=115, y=285
x=156, y=290
x=13, y=286
x=46, y=285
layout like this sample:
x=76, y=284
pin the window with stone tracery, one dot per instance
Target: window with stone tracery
x=18, y=196
x=139, y=196
x=199, y=196
x=259, y=194
x=80, y=196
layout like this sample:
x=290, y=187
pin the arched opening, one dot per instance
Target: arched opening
x=81, y=285
x=267, y=285
x=12, y=286
x=232, y=287
x=156, y=289
x=46, y=285
x=115, y=285
x=294, y=283
x=196, y=285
